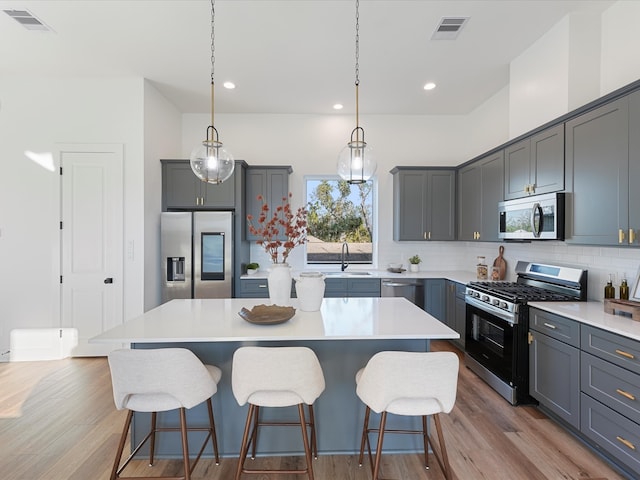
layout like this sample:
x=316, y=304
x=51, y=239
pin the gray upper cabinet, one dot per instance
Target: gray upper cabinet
x=597, y=175
x=423, y=203
x=480, y=188
x=270, y=182
x=181, y=189
x=535, y=165
x=632, y=237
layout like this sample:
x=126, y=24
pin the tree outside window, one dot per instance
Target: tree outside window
x=339, y=212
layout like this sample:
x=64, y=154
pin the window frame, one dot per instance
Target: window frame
x=374, y=219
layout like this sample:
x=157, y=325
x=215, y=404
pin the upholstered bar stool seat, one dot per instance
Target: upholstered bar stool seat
x=159, y=380
x=276, y=377
x=409, y=384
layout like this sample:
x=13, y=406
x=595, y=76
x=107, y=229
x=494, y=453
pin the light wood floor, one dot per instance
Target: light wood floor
x=58, y=422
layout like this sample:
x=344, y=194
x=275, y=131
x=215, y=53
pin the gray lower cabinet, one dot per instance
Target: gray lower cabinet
x=456, y=310
x=554, y=364
x=535, y=165
x=334, y=287
x=435, y=298
x=272, y=183
x=424, y=203
x=610, y=383
x=589, y=379
x=181, y=189
x=351, y=287
x=480, y=188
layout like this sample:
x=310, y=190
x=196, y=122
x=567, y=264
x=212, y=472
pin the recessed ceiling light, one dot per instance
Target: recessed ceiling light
x=229, y=85
x=338, y=106
x=429, y=86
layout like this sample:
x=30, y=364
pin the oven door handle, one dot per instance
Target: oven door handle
x=491, y=310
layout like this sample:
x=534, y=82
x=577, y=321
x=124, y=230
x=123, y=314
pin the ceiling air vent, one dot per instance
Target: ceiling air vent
x=27, y=20
x=449, y=28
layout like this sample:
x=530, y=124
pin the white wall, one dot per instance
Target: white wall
x=162, y=139
x=35, y=114
x=620, y=44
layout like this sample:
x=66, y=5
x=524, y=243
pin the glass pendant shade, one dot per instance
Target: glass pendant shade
x=356, y=162
x=210, y=162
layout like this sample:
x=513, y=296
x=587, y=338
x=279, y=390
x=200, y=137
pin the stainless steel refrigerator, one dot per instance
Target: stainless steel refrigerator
x=196, y=251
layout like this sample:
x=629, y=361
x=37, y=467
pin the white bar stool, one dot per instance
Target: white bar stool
x=409, y=384
x=159, y=380
x=276, y=377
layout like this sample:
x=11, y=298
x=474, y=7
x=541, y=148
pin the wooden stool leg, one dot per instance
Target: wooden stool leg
x=212, y=426
x=365, y=428
x=305, y=441
x=244, y=447
x=425, y=440
x=443, y=448
x=376, y=469
x=152, y=439
x=185, y=444
x=123, y=440
x=254, y=432
x=312, y=424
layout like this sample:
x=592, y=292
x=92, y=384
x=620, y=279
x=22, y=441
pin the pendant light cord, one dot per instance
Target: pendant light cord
x=213, y=55
x=357, y=59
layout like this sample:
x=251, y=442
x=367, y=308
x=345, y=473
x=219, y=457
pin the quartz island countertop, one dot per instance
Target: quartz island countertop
x=217, y=320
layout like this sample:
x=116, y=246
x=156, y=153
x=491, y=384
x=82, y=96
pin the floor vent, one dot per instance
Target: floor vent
x=449, y=28
x=27, y=20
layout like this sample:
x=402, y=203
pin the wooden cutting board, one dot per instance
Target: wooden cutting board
x=500, y=270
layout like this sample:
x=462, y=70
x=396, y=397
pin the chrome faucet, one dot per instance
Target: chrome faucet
x=343, y=257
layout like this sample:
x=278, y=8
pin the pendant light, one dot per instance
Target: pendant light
x=356, y=163
x=210, y=161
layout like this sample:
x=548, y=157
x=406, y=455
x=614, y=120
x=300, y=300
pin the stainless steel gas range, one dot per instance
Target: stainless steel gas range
x=497, y=323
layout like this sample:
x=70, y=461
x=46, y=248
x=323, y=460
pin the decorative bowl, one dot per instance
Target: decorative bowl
x=267, y=314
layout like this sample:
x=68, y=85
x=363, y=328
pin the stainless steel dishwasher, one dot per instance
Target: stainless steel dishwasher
x=410, y=288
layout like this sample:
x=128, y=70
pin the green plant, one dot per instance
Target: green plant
x=415, y=260
x=253, y=266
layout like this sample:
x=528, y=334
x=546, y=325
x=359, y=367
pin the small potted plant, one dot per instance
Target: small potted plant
x=252, y=268
x=414, y=262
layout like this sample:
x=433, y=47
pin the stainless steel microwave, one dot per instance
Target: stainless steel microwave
x=539, y=217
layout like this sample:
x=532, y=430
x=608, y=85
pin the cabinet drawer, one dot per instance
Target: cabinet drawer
x=555, y=326
x=617, y=435
x=335, y=287
x=611, y=347
x=363, y=287
x=254, y=288
x=614, y=386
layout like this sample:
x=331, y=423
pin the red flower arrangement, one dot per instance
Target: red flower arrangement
x=283, y=223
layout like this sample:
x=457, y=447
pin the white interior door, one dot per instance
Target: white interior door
x=91, y=242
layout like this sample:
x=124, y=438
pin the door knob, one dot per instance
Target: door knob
x=108, y=280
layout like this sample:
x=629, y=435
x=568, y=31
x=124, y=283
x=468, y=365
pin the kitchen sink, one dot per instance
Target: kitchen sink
x=347, y=274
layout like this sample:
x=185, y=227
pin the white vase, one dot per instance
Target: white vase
x=279, y=282
x=414, y=267
x=310, y=290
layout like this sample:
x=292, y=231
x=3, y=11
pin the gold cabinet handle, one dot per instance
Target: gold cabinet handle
x=262, y=285
x=625, y=354
x=625, y=394
x=429, y=236
x=620, y=236
x=626, y=443
x=548, y=325
x=632, y=236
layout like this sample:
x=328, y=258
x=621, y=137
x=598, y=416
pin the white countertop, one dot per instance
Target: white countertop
x=217, y=320
x=459, y=276
x=592, y=313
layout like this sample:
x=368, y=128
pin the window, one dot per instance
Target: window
x=339, y=212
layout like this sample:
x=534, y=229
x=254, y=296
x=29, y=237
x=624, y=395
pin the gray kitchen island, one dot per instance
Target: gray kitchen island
x=344, y=333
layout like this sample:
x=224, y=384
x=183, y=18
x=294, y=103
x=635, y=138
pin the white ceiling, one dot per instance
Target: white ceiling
x=287, y=56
